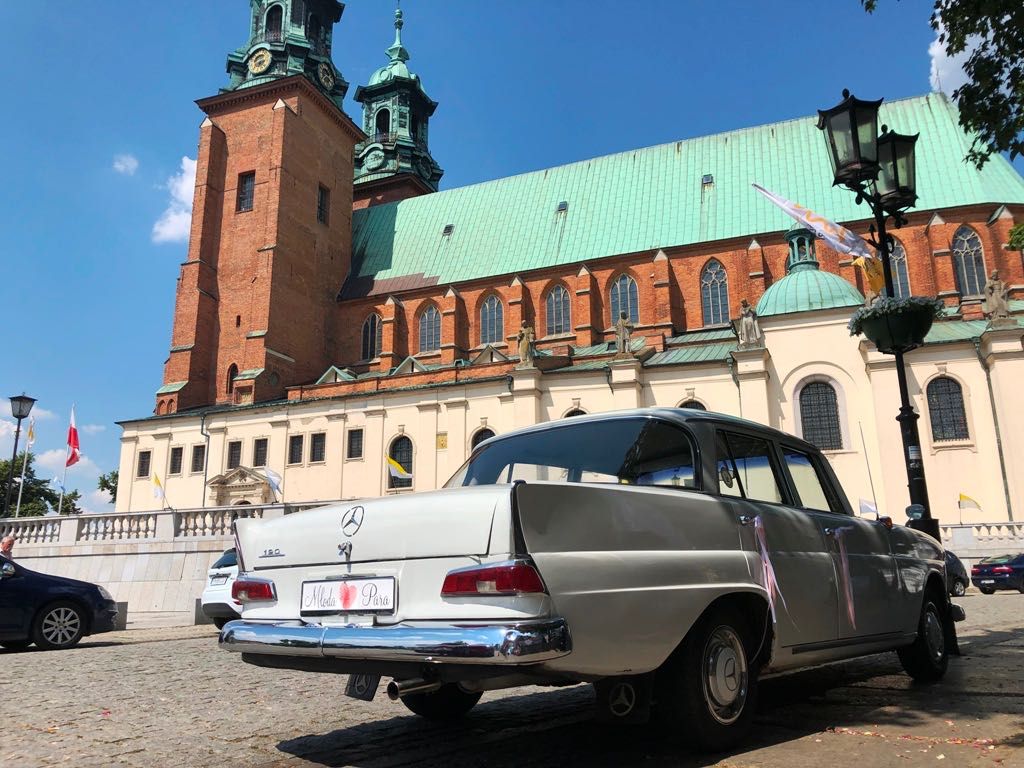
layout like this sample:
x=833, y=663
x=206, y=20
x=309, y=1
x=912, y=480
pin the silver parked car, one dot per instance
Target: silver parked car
x=669, y=556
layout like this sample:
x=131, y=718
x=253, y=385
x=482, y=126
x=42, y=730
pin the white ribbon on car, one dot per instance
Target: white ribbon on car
x=839, y=534
x=771, y=582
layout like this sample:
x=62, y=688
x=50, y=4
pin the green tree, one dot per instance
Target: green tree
x=108, y=483
x=991, y=102
x=1017, y=237
x=38, y=498
x=70, y=505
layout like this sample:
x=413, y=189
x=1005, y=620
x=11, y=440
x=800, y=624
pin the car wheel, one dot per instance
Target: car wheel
x=15, y=645
x=58, y=626
x=449, y=702
x=927, y=658
x=987, y=590
x=707, y=689
x=958, y=588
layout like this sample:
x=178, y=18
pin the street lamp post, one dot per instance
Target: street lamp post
x=881, y=170
x=21, y=406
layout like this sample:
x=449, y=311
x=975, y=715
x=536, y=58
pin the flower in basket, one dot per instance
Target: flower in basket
x=896, y=325
x=885, y=305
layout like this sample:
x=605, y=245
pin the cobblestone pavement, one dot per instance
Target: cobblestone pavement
x=168, y=697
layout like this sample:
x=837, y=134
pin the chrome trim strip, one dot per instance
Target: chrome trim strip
x=520, y=643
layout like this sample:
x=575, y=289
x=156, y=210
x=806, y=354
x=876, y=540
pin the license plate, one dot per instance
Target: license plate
x=218, y=580
x=988, y=581
x=359, y=595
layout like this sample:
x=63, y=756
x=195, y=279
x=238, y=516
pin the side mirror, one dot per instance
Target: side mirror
x=725, y=475
x=7, y=570
x=915, y=512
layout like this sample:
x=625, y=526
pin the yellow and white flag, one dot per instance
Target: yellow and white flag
x=31, y=430
x=966, y=502
x=397, y=470
x=158, y=488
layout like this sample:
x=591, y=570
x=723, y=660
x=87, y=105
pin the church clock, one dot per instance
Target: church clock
x=326, y=75
x=259, y=62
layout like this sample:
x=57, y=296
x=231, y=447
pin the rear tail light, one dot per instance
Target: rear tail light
x=1002, y=569
x=511, y=578
x=975, y=571
x=252, y=590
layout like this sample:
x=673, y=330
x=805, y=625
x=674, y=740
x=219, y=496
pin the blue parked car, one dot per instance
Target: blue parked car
x=50, y=611
x=999, y=572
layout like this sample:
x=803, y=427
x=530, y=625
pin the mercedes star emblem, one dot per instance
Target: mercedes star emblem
x=352, y=521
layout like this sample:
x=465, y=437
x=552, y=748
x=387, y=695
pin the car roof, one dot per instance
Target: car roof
x=678, y=415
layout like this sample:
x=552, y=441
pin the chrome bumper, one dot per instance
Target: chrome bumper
x=520, y=643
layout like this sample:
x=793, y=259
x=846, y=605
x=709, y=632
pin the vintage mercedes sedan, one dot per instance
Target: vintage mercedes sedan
x=671, y=557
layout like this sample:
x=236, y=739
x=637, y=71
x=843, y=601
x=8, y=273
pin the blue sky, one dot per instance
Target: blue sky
x=100, y=123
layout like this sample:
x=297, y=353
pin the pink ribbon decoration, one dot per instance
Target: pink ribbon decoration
x=771, y=583
x=839, y=535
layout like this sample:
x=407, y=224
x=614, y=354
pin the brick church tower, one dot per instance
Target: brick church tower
x=271, y=228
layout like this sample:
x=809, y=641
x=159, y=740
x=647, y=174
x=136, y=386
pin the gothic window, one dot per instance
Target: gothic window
x=819, y=416
x=946, y=409
x=246, y=191
x=273, y=23
x=401, y=454
x=900, y=276
x=969, y=261
x=480, y=436
x=230, y=383
x=383, y=122
x=714, y=293
x=492, y=321
x=558, y=319
x=695, y=405
x=430, y=329
x=373, y=335
x=624, y=298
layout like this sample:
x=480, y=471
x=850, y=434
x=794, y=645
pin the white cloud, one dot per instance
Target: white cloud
x=53, y=460
x=39, y=413
x=96, y=502
x=93, y=429
x=174, y=223
x=947, y=72
x=126, y=165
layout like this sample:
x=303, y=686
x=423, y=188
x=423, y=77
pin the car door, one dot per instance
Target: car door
x=16, y=604
x=861, y=550
x=807, y=608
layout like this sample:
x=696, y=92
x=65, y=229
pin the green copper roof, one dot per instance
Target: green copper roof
x=651, y=198
x=808, y=289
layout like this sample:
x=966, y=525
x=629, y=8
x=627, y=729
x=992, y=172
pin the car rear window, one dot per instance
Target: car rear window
x=997, y=559
x=226, y=560
x=635, y=451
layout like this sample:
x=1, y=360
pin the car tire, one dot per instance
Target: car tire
x=959, y=588
x=987, y=590
x=58, y=626
x=927, y=658
x=449, y=702
x=707, y=690
x=15, y=645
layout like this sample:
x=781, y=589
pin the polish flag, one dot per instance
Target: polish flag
x=74, y=454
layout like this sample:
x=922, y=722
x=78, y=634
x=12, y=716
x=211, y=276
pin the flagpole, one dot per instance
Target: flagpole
x=867, y=463
x=63, y=480
x=24, y=466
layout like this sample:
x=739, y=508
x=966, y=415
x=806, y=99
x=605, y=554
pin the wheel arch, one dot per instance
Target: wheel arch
x=754, y=606
x=77, y=601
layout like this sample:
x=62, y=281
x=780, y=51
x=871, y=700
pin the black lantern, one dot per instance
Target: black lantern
x=896, y=184
x=21, y=406
x=851, y=132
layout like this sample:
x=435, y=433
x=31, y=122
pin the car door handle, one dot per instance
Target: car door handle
x=831, y=532
x=746, y=519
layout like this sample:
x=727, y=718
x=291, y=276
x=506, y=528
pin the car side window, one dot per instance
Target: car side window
x=745, y=468
x=807, y=481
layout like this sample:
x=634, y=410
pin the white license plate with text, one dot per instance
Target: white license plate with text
x=361, y=595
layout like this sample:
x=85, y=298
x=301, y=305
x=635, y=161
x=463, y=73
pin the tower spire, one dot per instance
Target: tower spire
x=397, y=51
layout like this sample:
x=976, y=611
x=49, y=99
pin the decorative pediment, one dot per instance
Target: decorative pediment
x=661, y=255
x=409, y=365
x=1000, y=213
x=334, y=374
x=240, y=485
x=489, y=355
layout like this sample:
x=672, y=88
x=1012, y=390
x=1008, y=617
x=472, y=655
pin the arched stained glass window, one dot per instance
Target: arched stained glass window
x=230, y=383
x=624, y=298
x=694, y=404
x=492, y=321
x=900, y=275
x=819, y=416
x=400, y=454
x=558, y=319
x=430, y=329
x=480, y=436
x=373, y=335
x=714, y=293
x=969, y=261
x=946, y=409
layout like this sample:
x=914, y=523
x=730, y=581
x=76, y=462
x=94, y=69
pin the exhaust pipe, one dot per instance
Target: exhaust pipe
x=399, y=688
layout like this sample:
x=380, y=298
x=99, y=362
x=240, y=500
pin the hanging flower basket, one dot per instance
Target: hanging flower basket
x=896, y=325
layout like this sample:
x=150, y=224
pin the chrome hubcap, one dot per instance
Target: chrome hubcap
x=725, y=675
x=933, y=636
x=61, y=625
